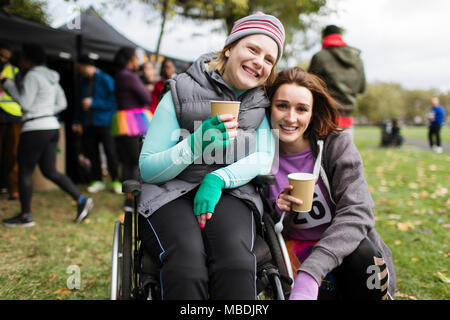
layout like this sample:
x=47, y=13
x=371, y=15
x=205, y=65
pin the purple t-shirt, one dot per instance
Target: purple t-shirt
x=130, y=91
x=310, y=225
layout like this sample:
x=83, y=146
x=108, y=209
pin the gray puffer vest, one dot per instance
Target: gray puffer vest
x=191, y=93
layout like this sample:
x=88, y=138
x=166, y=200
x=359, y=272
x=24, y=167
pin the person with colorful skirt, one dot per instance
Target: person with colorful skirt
x=133, y=116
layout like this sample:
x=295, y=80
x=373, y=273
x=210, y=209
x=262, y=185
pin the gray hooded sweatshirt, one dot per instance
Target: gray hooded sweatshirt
x=342, y=172
x=41, y=98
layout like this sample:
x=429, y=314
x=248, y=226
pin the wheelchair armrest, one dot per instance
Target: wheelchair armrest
x=131, y=186
x=264, y=180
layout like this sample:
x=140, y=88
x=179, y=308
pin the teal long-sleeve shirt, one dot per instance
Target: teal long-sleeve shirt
x=162, y=157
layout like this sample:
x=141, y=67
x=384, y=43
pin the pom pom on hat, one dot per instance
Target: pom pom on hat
x=258, y=23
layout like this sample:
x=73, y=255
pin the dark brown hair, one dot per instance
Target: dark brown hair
x=325, y=114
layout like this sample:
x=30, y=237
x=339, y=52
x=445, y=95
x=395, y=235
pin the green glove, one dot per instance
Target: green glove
x=211, y=131
x=208, y=194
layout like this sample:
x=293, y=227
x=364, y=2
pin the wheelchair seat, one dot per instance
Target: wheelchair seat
x=137, y=275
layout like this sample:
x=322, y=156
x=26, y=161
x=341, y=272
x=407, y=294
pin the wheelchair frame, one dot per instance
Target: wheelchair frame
x=128, y=281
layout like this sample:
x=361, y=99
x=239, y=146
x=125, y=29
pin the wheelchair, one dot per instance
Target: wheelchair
x=135, y=275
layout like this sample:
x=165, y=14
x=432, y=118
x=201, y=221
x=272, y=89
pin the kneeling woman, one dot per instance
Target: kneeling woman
x=336, y=241
x=197, y=212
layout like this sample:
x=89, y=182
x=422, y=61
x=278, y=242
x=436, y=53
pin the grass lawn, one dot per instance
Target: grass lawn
x=421, y=133
x=410, y=189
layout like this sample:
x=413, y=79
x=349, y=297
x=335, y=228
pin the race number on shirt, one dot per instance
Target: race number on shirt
x=320, y=213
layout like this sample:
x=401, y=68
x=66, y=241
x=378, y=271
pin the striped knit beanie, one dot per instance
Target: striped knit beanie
x=258, y=23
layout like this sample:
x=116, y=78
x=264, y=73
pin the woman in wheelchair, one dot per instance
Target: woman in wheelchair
x=336, y=244
x=197, y=205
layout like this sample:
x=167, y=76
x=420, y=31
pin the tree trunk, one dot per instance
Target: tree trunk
x=161, y=33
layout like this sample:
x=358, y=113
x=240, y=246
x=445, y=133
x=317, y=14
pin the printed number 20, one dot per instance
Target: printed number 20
x=317, y=212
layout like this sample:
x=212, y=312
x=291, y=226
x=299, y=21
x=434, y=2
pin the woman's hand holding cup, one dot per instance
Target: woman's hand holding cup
x=285, y=200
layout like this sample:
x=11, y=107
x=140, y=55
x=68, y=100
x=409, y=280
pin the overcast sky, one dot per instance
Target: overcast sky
x=403, y=41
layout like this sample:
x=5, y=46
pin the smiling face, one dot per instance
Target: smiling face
x=291, y=113
x=250, y=62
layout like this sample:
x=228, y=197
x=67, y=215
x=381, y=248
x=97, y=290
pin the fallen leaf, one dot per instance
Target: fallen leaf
x=32, y=237
x=52, y=277
x=394, y=216
x=404, y=295
x=446, y=225
x=397, y=242
x=63, y=291
x=442, y=276
x=415, y=259
x=424, y=194
x=447, y=255
x=404, y=226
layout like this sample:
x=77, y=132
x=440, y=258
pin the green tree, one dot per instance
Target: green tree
x=382, y=101
x=34, y=10
x=297, y=16
x=417, y=105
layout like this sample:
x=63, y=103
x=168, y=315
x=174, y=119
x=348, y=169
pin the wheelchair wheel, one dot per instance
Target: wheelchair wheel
x=276, y=251
x=116, y=272
x=127, y=261
x=121, y=273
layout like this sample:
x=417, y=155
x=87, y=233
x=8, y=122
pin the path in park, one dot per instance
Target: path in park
x=423, y=145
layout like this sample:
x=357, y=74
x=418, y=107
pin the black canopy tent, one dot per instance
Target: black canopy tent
x=98, y=39
x=86, y=34
x=16, y=31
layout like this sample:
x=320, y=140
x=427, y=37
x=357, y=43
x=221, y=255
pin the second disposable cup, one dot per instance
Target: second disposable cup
x=225, y=107
x=303, y=184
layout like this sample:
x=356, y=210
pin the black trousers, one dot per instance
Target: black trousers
x=95, y=136
x=434, y=133
x=216, y=262
x=128, y=150
x=362, y=275
x=39, y=147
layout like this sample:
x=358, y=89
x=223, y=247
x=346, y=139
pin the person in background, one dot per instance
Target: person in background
x=336, y=242
x=10, y=125
x=132, y=117
x=436, y=118
x=41, y=98
x=168, y=71
x=147, y=75
x=93, y=118
x=342, y=69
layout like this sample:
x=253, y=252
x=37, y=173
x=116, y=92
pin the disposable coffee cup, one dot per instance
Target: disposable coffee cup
x=303, y=184
x=225, y=107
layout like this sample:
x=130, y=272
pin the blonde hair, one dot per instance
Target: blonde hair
x=221, y=60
